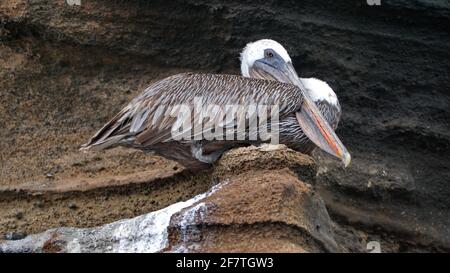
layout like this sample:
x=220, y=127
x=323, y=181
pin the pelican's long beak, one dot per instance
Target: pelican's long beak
x=312, y=122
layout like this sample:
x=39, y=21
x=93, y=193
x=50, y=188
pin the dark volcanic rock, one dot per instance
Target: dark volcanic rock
x=14, y=236
x=67, y=69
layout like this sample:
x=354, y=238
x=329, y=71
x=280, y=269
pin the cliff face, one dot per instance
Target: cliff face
x=66, y=69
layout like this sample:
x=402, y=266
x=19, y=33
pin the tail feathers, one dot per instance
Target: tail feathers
x=102, y=144
x=111, y=133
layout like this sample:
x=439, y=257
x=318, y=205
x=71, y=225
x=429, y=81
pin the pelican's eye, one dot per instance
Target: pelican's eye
x=269, y=54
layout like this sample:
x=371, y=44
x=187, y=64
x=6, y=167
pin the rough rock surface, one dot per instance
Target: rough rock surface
x=65, y=70
x=252, y=209
x=146, y=233
x=261, y=206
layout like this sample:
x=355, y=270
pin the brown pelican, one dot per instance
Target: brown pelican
x=147, y=122
x=319, y=91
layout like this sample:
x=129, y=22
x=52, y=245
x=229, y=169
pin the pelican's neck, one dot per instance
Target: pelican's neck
x=244, y=69
x=319, y=90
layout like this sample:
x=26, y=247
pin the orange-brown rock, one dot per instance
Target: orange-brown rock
x=261, y=206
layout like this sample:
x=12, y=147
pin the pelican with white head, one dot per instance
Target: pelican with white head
x=268, y=59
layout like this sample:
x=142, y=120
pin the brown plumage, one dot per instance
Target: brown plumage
x=145, y=123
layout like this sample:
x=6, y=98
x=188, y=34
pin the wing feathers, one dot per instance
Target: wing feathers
x=148, y=119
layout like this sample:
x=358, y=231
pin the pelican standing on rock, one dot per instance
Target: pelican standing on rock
x=319, y=91
x=148, y=121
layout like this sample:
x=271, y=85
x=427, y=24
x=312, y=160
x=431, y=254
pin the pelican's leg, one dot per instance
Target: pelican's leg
x=198, y=153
